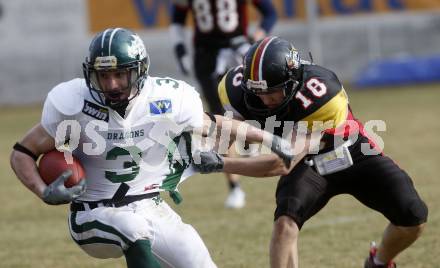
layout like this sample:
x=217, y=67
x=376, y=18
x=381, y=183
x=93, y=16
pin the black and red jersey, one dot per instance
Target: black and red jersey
x=320, y=102
x=218, y=22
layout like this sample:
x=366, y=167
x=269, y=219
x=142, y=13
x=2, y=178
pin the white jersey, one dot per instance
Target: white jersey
x=149, y=149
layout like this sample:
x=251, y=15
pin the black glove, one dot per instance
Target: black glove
x=182, y=58
x=209, y=162
x=56, y=193
x=283, y=149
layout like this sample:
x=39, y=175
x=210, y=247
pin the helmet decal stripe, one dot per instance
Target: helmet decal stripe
x=102, y=39
x=260, y=65
x=257, y=61
x=111, y=39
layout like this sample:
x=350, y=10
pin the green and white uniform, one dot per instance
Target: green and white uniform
x=149, y=150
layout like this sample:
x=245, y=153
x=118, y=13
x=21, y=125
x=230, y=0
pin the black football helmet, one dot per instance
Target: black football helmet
x=269, y=65
x=116, y=49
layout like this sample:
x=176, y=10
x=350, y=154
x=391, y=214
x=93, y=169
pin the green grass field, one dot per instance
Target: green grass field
x=33, y=234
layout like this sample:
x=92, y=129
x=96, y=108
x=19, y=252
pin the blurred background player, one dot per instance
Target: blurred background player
x=275, y=82
x=220, y=41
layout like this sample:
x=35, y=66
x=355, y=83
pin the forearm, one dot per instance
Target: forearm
x=38, y=142
x=27, y=172
x=268, y=165
x=259, y=166
x=236, y=127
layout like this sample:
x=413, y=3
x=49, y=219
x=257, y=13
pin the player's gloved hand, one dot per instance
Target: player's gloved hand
x=208, y=162
x=182, y=58
x=56, y=193
x=283, y=149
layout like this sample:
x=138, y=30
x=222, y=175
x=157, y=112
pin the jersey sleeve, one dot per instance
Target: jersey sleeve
x=226, y=85
x=333, y=113
x=63, y=102
x=191, y=108
x=223, y=95
x=51, y=117
x=323, y=102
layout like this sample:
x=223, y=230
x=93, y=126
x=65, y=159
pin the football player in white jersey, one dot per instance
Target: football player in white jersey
x=131, y=132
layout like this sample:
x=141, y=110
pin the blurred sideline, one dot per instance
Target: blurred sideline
x=47, y=42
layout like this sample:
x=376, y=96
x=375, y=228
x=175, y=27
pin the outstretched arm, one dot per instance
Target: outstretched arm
x=268, y=165
x=260, y=166
x=251, y=134
x=218, y=125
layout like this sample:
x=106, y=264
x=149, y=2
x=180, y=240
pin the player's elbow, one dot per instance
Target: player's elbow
x=13, y=159
x=18, y=159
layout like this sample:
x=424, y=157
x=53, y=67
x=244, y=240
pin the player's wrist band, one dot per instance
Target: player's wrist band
x=22, y=149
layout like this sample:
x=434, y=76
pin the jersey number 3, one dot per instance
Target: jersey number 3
x=130, y=167
x=316, y=87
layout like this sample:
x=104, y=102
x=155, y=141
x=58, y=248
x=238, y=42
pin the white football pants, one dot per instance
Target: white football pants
x=105, y=232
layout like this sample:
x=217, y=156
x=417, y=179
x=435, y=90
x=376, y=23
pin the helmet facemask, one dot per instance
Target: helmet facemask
x=289, y=89
x=134, y=83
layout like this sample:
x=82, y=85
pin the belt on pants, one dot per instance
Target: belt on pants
x=83, y=206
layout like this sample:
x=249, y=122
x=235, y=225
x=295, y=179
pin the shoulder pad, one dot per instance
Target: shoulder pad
x=230, y=92
x=170, y=88
x=68, y=97
x=234, y=78
x=169, y=83
x=324, y=75
x=228, y=84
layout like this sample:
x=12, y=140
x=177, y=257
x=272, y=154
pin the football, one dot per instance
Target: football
x=53, y=164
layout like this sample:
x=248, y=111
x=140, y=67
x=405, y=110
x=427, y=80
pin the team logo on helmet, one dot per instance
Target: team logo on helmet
x=137, y=48
x=293, y=60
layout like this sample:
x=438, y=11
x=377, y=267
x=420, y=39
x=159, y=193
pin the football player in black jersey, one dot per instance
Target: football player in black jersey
x=275, y=82
x=220, y=41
